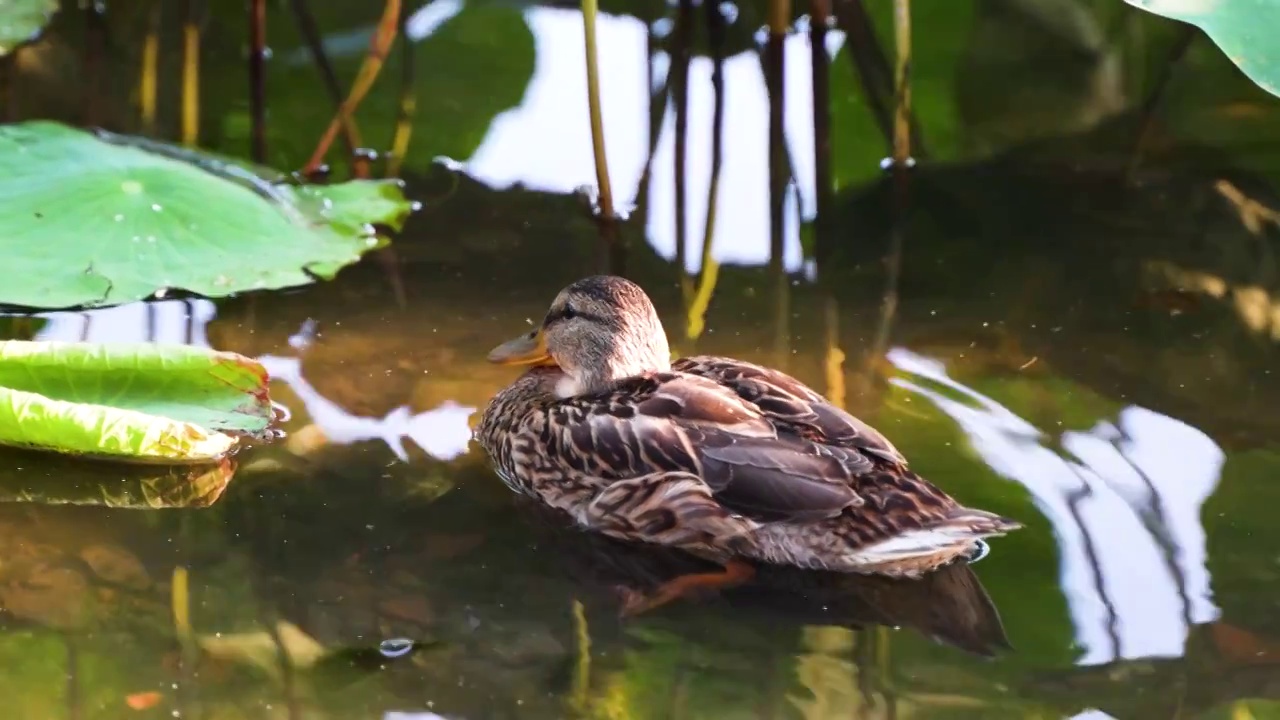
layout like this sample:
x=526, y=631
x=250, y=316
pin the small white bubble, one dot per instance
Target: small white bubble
x=156, y=207
x=119, y=217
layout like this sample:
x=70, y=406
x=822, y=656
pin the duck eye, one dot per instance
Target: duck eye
x=568, y=313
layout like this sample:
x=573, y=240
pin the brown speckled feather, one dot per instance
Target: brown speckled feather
x=687, y=460
x=787, y=401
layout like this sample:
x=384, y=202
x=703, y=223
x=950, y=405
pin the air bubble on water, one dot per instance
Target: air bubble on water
x=119, y=217
x=156, y=207
x=395, y=647
x=415, y=206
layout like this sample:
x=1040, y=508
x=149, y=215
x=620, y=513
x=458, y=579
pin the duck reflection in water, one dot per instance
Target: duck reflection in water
x=740, y=465
x=949, y=605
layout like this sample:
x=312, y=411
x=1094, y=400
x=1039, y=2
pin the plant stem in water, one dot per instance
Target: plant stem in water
x=257, y=80
x=902, y=82
x=307, y=27
x=701, y=299
x=191, y=75
x=148, y=83
x=593, y=107
x=92, y=62
x=779, y=174
x=383, y=37
x=681, y=57
x=408, y=105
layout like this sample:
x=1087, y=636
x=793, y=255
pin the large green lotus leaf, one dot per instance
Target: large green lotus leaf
x=88, y=221
x=141, y=402
x=1244, y=29
x=22, y=20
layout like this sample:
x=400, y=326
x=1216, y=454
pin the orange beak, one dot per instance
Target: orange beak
x=528, y=349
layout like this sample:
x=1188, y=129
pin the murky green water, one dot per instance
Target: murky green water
x=1079, y=333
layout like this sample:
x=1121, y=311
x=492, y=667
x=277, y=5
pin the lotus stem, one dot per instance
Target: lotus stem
x=307, y=27
x=605, y=192
x=657, y=111
x=379, y=47
x=150, y=64
x=779, y=174
x=8, y=113
x=701, y=299
x=191, y=76
x=257, y=79
x=681, y=57
x=407, y=109
x=91, y=63
x=902, y=82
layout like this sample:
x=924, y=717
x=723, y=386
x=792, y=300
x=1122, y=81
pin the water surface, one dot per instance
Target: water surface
x=1076, y=327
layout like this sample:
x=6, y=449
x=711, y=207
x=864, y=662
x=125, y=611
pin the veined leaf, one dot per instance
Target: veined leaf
x=1243, y=29
x=97, y=220
x=139, y=402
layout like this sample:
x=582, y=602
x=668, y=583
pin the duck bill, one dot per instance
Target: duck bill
x=528, y=349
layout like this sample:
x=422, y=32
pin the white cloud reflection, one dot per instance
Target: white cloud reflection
x=1112, y=506
x=545, y=143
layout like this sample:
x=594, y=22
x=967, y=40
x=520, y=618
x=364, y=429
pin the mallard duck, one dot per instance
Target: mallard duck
x=728, y=460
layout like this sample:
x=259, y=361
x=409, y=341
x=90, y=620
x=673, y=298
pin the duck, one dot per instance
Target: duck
x=732, y=462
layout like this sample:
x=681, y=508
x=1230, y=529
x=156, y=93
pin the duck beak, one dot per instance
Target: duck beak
x=528, y=349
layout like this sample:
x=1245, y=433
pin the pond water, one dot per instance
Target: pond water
x=1075, y=326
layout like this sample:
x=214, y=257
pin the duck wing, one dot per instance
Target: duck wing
x=789, y=402
x=688, y=425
